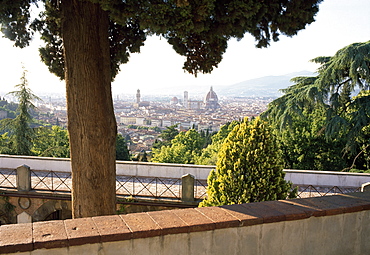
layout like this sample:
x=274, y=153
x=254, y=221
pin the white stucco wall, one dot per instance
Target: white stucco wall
x=326, y=178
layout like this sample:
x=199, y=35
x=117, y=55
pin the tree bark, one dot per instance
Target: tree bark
x=91, y=122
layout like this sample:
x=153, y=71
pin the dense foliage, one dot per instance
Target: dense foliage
x=249, y=168
x=333, y=108
x=51, y=142
x=122, y=152
x=209, y=154
x=184, y=149
x=198, y=30
x=166, y=136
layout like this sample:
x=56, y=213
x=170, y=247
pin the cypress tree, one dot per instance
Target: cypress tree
x=249, y=168
x=122, y=151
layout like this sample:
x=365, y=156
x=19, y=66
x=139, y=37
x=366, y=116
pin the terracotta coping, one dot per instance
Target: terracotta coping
x=63, y=233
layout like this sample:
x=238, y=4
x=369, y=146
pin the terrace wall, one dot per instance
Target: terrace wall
x=337, y=224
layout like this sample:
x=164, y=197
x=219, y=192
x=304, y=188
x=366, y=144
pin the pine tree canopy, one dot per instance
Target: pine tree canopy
x=198, y=30
x=338, y=79
x=249, y=168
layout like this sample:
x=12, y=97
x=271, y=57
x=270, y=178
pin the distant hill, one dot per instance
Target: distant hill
x=267, y=86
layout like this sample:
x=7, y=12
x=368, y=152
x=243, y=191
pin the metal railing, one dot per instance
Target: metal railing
x=200, y=189
x=51, y=181
x=133, y=186
x=142, y=186
x=305, y=191
x=153, y=187
x=8, y=178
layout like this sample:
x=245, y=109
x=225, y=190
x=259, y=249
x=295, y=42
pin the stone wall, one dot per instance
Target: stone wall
x=326, y=178
x=325, y=225
x=25, y=210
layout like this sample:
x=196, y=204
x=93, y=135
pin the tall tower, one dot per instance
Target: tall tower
x=138, y=96
x=186, y=99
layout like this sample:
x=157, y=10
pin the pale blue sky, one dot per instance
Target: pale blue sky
x=338, y=23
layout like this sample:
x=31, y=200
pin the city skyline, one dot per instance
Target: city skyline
x=158, y=67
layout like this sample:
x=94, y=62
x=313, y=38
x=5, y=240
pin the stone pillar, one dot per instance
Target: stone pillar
x=23, y=178
x=365, y=187
x=24, y=218
x=187, y=189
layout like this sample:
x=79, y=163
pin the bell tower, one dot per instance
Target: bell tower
x=138, y=96
x=186, y=99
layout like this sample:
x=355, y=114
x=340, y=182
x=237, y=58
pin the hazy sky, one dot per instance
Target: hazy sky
x=157, y=67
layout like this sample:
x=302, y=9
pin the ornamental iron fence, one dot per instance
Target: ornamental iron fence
x=305, y=191
x=153, y=187
x=142, y=186
x=8, y=178
x=51, y=181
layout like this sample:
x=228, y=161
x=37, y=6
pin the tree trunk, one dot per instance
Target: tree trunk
x=91, y=122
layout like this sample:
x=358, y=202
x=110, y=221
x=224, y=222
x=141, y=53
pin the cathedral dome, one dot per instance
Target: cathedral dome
x=174, y=100
x=211, y=96
x=211, y=100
